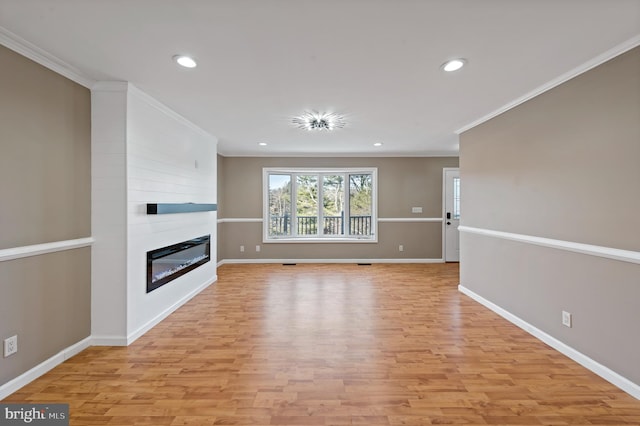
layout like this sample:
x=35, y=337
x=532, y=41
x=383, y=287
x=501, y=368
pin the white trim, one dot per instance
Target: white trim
x=234, y=261
x=320, y=170
x=425, y=154
x=38, y=249
x=132, y=337
x=321, y=240
x=598, y=60
x=97, y=340
x=444, y=207
x=240, y=220
x=57, y=359
x=38, y=55
x=110, y=86
x=151, y=101
x=380, y=219
x=295, y=171
x=589, y=249
x=609, y=375
x=27, y=377
x=409, y=219
x=131, y=89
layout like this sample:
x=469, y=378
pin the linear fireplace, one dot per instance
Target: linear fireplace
x=168, y=263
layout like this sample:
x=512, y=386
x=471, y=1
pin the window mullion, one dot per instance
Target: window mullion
x=320, y=206
x=294, y=205
x=346, y=225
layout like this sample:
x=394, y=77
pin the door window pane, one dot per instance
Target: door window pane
x=456, y=198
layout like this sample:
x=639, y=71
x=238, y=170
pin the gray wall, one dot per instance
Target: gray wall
x=564, y=165
x=45, y=170
x=402, y=183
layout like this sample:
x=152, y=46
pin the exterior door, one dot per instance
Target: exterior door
x=451, y=217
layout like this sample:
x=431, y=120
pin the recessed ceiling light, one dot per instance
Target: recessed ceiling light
x=185, y=61
x=454, y=64
x=262, y=143
x=377, y=144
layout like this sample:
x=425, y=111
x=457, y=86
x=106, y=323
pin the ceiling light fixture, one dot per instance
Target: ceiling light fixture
x=319, y=121
x=454, y=64
x=185, y=61
x=377, y=144
x=262, y=143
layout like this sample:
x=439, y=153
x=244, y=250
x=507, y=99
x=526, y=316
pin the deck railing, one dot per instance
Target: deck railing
x=308, y=225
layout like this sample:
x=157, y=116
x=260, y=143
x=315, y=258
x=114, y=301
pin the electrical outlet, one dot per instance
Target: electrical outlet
x=566, y=319
x=400, y=247
x=257, y=248
x=241, y=249
x=10, y=345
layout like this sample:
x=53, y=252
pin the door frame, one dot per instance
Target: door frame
x=444, y=208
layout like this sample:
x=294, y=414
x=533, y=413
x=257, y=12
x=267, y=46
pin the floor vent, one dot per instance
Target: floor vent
x=364, y=264
x=289, y=264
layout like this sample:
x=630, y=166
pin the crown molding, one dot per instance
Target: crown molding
x=131, y=90
x=38, y=55
x=151, y=101
x=598, y=60
x=110, y=86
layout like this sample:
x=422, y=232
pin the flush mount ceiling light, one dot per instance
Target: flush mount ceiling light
x=262, y=143
x=454, y=64
x=319, y=121
x=185, y=61
x=377, y=144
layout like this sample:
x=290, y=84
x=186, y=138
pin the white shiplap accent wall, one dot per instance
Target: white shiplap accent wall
x=172, y=161
x=143, y=152
x=108, y=210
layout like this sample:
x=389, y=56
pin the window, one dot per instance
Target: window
x=456, y=198
x=324, y=205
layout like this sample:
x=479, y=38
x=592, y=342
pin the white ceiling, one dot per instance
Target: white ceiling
x=377, y=62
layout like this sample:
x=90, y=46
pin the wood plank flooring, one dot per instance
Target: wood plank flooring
x=332, y=345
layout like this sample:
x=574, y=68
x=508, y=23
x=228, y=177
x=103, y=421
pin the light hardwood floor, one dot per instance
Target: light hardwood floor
x=332, y=345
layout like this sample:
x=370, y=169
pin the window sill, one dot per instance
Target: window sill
x=321, y=240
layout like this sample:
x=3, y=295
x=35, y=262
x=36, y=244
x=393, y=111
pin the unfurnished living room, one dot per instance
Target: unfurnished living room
x=349, y=212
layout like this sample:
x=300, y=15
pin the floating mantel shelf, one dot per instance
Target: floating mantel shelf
x=168, y=208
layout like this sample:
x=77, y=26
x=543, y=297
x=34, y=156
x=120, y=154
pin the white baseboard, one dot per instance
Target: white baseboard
x=230, y=261
x=606, y=373
x=132, y=337
x=97, y=340
x=42, y=368
x=114, y=340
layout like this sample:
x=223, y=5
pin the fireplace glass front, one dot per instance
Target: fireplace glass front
x=168, y=263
